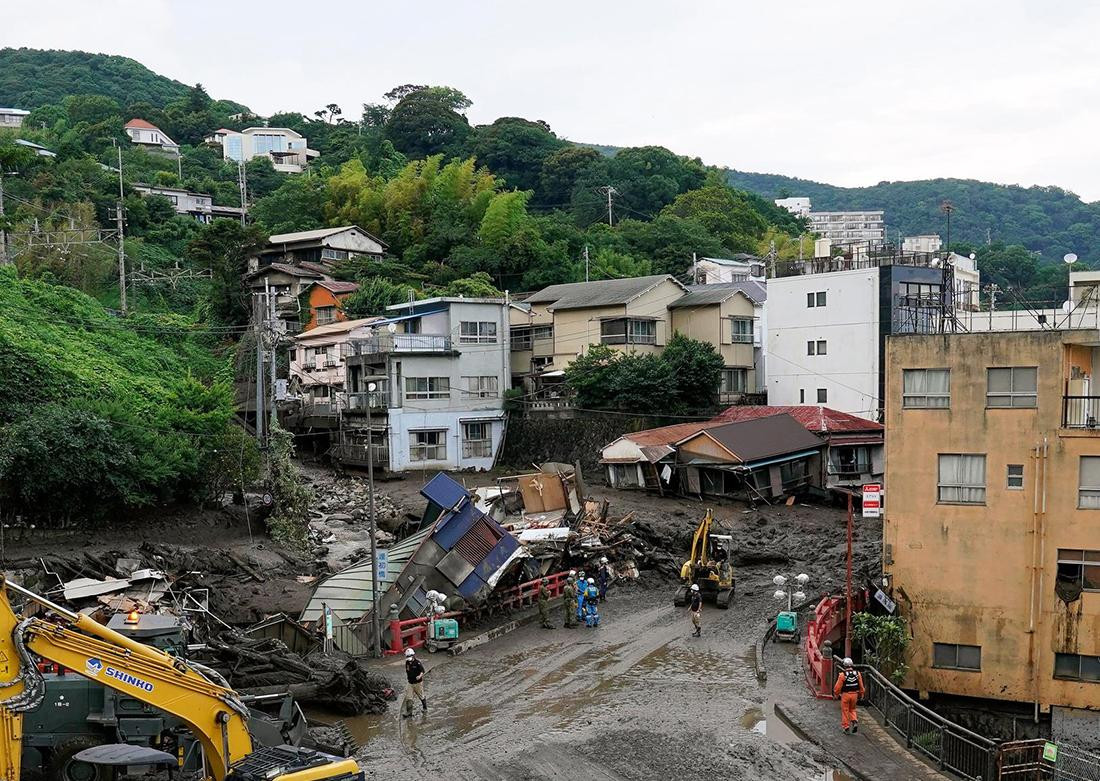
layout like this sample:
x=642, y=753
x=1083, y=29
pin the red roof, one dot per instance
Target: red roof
x=141, y=123
x=820, y=420
x=337, y=287
x=666, y=435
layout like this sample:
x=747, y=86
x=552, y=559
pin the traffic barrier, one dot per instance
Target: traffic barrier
x=413, y=632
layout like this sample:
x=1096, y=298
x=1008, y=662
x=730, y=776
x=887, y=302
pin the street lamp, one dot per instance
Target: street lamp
x=376, y=624
x=790, y=589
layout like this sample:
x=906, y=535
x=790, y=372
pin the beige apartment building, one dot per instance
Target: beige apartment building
x=726, y=317
x=992, y=524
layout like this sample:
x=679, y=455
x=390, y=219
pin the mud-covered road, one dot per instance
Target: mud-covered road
x=637, y=698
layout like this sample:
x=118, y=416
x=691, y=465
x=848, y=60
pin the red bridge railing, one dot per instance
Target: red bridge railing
x=827, y=619
x=413, y=632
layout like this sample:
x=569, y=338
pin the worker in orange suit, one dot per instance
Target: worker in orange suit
x=849, y=688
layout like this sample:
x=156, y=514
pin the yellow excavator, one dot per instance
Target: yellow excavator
x=709, y=567
x=195, y=694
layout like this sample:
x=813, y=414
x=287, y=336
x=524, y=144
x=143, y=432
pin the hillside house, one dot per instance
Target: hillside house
x=150, y=137
x=287, y=149
x=326, y=298
x=12, y=118
x=324, y=245
x=200, y=206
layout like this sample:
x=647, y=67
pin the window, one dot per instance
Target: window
x=482, y=387
x=815, y=299
x=427, y=388
x=292, y=354
x=1014, y=477
x=822, y=396
x=1088, y=483
x=1011, y=387
x=811, y=347
x=801, y=395
x=480, y=332
x=735, y=380
x=326, y=315
x=540, y=362
x=741, y=330
x=428, y=445
x=961, y=478
x=850, y=460
x=820, y=298
x=521, y=337
x=952, y=656
x=1079, y=568
x=1077, y=667
x=542, y=333
x=327, y=253
x=626, y=330
x=821, y=345
x=924, y=388
x=477, y=439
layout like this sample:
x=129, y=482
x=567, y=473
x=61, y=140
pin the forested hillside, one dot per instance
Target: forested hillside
x=1049, y=220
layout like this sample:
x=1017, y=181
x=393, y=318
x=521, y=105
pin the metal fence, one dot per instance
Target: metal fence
x=1028, y=760
x=948, y=745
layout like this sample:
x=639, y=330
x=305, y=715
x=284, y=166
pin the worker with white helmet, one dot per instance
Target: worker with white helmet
x=582, y=582
x=414, y=674
x=603, y=577
x=696, y=607
x=849, y=688
x=591, y=598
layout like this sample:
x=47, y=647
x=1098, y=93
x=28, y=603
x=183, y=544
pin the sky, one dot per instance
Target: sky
x=840, y=91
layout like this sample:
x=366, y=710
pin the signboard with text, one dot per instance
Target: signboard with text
x=383, y=563
x=872, y=500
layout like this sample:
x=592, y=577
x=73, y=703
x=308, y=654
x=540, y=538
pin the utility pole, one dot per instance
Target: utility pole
x=121, y=240
x=273, y=333
x=848, y=588
x=257, y=308
x=3, y=228
x=585, y=246
x=611, y=192
x=242, y=184
x=694, y=269
x=993, y=289
x=375, y=619
x=179, y=167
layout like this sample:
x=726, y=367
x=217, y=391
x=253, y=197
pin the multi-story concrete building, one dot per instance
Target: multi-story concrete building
x=850, y=227
x=742, y=267
x=12, y=118
x=929, y=242
x=798, y=206
x=198, y=205
x=828, y=321
x=991, y=540
x=287, y=149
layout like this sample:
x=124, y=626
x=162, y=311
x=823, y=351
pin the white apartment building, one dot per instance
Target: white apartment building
x=798, y=206
x=851, y=227
x=926, y=243
x=12, y=118
x=198, y=205
x=439, y=368
x=287, y=149
x=742, y=267
x=147, y=135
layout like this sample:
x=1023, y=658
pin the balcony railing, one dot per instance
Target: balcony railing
x=356, y=455
x=402, y=343
x=850, y=470
x=361, y=402
x=1081, y=412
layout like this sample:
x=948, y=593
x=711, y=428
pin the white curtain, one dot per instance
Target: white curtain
x=926, y=387
x=962, y=478
x=1088, y=497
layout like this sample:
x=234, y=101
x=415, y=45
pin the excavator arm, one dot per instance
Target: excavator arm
x=699, y=541
x=194, y=694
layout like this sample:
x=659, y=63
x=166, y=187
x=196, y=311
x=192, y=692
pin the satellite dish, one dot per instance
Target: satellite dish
x=1067, y=306
x=392, y=328
x=972, y=256
x=1070, y=257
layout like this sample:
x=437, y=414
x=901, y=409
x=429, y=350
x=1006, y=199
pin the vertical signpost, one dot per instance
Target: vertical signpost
x=872, y=500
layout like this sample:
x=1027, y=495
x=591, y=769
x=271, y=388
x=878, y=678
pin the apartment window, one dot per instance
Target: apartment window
x=292, y=354
x=1088, y=484
x=521, y=337
x=477, y=332
x=477, y=439
x=953, y=656
x=326, y=315
x=821, y=345
x=1014, y=386
x=542, y=333
x=428, y=445
x=1077, y=667
x=427, y=387
x=482, y=387
x=735, y=380
x=1014, y=477
x=924, y=388
x=328, y=253
x=627, y=330
x=540, y=362
x=961, y=478
x=811, y=347
x=1079, y=568
x=815, y=299
x=741, y=330
x=822, y=396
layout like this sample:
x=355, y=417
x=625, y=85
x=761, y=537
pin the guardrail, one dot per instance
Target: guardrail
x=950, y=746
x=413, y=632
x=827, y=618
x=1081, y=412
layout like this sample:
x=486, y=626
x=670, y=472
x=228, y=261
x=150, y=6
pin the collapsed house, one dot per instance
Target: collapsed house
x=456, y=549
x=842, y=452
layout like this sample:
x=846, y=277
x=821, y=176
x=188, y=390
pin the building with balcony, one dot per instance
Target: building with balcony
x=288, y=150
x=12, y=118
x=991, y=540
x=851, y=227
x=197, y=205
x=424, y=387
x=149, y=136
x=730, y=317
x=318, y=372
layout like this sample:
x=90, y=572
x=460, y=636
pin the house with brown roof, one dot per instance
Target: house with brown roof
x=148, y=136
x=325, y=299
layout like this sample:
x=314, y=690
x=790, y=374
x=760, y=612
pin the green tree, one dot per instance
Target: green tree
x=696, y=369
x=609, y=264
x=297, y=204
x=505, y=215
x=592, y=376
x=669, y=241
x=373, y=296
x=224, y=248
x=477, y=285
x=427, y=122
x=725, y=213
x=515, y=149
x=560, y=172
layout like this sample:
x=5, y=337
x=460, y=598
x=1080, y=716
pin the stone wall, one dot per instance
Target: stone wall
x=535, y=440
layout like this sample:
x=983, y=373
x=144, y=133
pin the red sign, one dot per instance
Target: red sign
x=872, y=500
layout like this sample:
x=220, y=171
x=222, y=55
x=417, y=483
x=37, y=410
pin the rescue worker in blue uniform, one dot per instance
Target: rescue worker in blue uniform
x=591, y=600
x=581, y=581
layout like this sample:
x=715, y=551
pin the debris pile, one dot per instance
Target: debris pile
x=337, y=682
x=345, y=500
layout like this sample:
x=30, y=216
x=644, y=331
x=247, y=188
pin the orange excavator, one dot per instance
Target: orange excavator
x=195, y=694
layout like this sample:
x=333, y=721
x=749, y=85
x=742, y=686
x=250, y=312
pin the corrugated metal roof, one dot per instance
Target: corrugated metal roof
x=348, y=593
x=820, y=420
x=341, y=326
x=336, y=286
x=319, y=233
x=604, y=292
